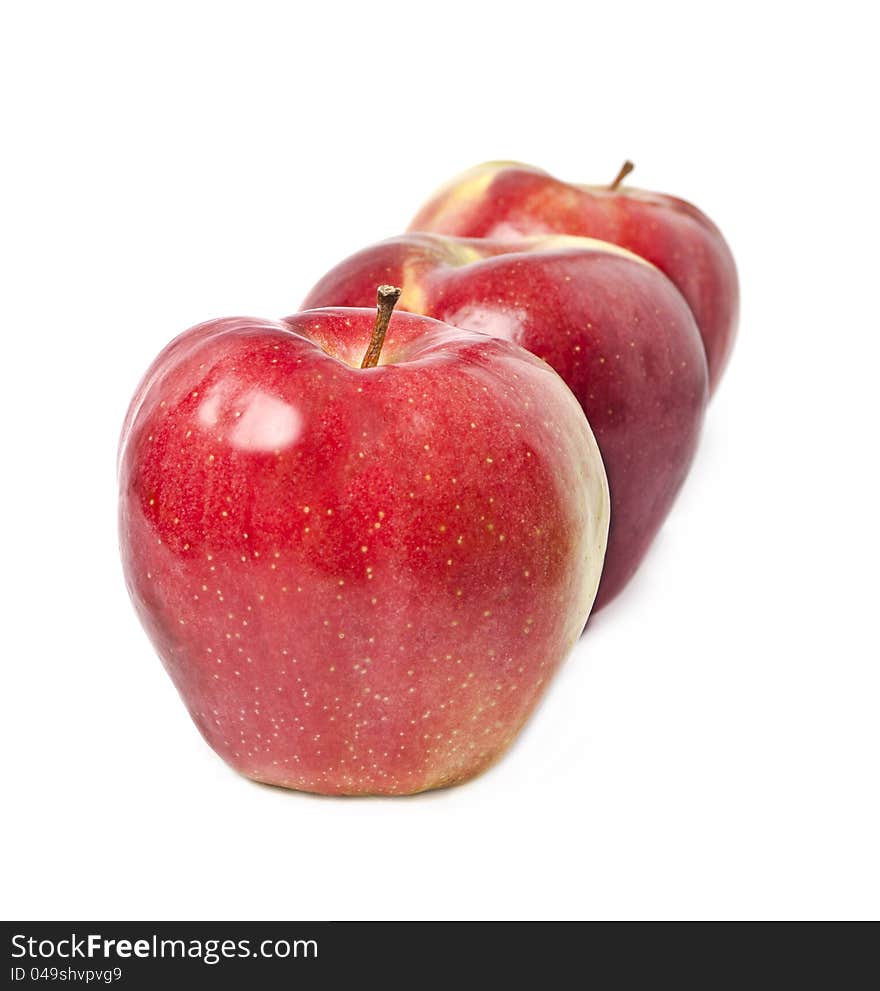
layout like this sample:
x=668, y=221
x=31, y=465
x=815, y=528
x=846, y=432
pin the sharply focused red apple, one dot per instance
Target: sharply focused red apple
x=360, y=579
x=509, y=200
x=613, y=326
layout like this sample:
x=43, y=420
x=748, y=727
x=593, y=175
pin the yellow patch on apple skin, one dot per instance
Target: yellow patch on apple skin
x=453, y=254
x=413, y=298
x=461, y=253
x=466, y=188
x=559, y=242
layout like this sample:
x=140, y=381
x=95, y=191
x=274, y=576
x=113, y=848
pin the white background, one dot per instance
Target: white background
x=711, y=748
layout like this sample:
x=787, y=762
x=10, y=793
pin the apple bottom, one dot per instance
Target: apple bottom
x=401, y=685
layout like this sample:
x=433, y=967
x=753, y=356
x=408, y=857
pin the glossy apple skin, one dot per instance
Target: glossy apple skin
x=613, y=326
x=360, y=581
x=509, y=200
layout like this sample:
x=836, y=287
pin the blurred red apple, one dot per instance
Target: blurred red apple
x=613, y=326
x=360, y=579
x=509, y=200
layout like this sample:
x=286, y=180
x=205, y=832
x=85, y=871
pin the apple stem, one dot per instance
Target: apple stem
x=625, y=170
x=386, y=299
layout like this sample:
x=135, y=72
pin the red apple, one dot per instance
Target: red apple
x=508, y=200
x=612, y=325
x=360, y=579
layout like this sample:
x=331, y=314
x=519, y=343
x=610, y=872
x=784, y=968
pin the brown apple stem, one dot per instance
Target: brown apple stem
x=625, y=170
x=386, y=299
